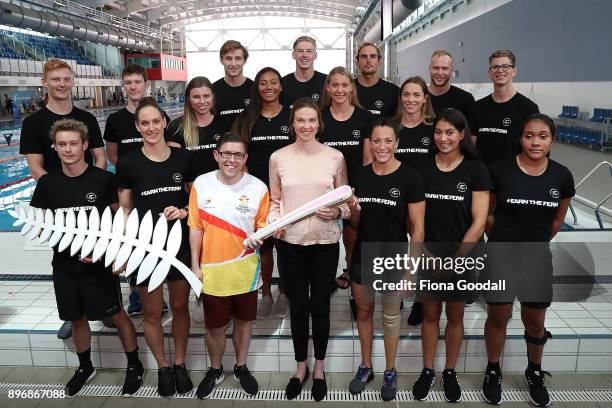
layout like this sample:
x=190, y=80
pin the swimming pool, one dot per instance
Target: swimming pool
x=16, y=185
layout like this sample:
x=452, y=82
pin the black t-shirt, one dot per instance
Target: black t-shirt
x=455, y=98
x=157, y=185
x=121, y=129
x=347, y=136
x=415, y=145
x=268, y=135
x=380, y=99
x=294, y=89
x=56, y=191
x=527, y=205
x=35, y=135
x=497, y=126
x=384, y=202
x=203, y=160
x=231, y=100
x=448, y=213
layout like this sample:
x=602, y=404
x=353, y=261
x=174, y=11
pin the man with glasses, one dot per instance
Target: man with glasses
x=443, y=94
x=225, y=207
x=495, y=120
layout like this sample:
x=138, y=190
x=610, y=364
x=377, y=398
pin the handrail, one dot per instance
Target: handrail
x=594, y=170
x=89, y=13
x=597, y=207
x=605, y=210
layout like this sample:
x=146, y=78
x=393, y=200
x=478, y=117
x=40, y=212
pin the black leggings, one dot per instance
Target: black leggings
x=310, y=272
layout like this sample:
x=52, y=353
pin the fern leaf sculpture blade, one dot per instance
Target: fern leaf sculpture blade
x=57, y=234
x=69, y=234
x=90, y=238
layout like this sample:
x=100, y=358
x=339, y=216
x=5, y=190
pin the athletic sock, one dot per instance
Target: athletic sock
x=534, y=367
x=494, y=367
x=132, y=357
x=85, y=359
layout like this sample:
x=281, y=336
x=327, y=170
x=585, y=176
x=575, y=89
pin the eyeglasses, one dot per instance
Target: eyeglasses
x=236, y=155
x=504, y=67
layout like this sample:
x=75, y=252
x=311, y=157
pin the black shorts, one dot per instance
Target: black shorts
x=89, y=290
x=526, y=270
x=173, y=274
x=533, y=305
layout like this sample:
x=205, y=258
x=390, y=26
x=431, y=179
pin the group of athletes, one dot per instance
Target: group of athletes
x=245, y=152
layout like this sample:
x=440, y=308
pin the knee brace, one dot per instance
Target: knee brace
x=392, y=317
x=537, y=341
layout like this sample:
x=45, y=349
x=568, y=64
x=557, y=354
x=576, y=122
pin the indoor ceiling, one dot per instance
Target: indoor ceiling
x=174, y=14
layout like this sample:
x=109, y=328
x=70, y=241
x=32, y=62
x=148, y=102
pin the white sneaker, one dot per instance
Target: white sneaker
x=265, y=307
x=280, y=309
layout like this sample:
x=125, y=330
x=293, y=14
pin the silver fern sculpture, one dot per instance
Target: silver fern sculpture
x=131, y=243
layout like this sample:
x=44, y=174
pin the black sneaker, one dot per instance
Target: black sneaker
x=422, y=386
x=213, y=377
x=65, y=332
x=166, y=387
x=364, y=375
x=450, y=383
x=181, y=379
x=492, y=387
x=81, y=377
x=133, y=379
x=389, y=388
x=246, y=379
x=416, y=314
x=537, y=387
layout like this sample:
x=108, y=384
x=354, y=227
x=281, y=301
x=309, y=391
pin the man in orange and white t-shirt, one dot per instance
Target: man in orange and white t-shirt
x=225, y=207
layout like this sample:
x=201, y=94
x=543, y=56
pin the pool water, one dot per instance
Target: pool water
x=16, y=185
